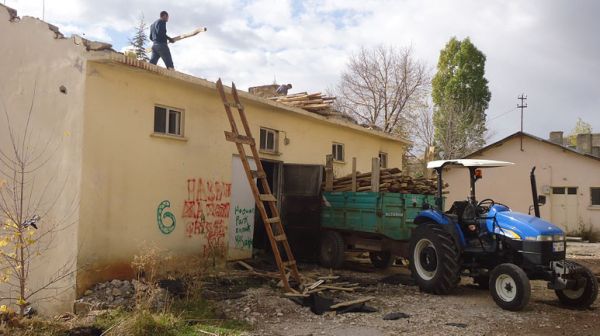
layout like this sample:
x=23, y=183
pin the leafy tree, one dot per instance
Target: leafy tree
x=382, y=87
x=460, y=96
x=581, y=127
x=139, y=39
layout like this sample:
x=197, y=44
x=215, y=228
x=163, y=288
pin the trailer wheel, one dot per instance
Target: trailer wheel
x=381, y=260
x=582, y=297
x=434, y=259
x=332, y=250
x=510, y=287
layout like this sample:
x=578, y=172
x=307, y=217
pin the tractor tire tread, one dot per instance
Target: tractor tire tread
x=588, y=296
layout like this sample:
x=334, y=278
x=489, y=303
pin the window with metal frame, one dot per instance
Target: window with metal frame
x=595, y=195
x=167, y=121
x=337, y=150
x=383, y=160
x=268, y=140
x=558, y=190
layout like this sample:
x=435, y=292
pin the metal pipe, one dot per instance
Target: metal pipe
x=438, y=199
x=534, y=194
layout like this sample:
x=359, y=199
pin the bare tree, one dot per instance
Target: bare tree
x=422, y=129
x=28, y=221
x=382, y=87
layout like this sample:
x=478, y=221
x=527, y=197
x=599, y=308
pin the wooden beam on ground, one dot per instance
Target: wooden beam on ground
x=352, y=302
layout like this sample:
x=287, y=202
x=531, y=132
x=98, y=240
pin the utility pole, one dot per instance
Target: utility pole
x=523, y=105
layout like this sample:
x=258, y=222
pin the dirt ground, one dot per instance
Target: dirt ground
x=468, y=311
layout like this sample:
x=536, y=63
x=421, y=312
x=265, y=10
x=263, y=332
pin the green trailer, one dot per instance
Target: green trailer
x=376, y=222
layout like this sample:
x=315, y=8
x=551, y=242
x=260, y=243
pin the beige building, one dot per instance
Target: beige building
x=569, y=179
x=137, y=155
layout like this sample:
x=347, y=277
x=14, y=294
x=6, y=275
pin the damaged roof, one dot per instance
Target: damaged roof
x=101, y=52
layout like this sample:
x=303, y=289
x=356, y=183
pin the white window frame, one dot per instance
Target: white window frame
x=335, y=150
x=275, y=149
x=382, y=161
x=168, y=110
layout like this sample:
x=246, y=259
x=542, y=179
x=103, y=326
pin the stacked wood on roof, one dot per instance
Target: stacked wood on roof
x=390, y=180
x=313, y=102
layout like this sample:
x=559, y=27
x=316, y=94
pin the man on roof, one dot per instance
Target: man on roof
x=160, y=47
x=282, y=90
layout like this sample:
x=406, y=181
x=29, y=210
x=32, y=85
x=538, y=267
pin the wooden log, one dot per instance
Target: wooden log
x=353, y=174
x=352, y=302
x=329, y=172
x=375, y=174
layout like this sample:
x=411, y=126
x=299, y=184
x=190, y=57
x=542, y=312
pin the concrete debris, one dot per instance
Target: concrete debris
x=120, y=294
x=12, y=13
x=57, y=33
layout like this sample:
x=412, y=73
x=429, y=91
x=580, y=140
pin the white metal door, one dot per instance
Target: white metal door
x=564, y=208
x=241, y=213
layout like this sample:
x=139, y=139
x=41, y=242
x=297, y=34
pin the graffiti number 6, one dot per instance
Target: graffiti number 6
x=161, y=214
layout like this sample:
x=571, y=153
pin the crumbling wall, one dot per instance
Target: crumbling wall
x=42, y=72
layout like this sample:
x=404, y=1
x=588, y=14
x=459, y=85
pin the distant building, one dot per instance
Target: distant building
x=569, y=178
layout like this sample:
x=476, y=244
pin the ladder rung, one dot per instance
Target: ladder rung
x=239, y=138
x=280, y=237
x=273, y=220
x=289, y=263
x=258, y=174
x=267, y=198
x=234, y=105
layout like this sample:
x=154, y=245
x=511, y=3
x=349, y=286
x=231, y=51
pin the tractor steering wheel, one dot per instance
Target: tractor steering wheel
x=485, y=205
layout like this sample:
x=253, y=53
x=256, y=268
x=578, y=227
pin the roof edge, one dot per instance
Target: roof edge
x=533, y=137
x=110, y=56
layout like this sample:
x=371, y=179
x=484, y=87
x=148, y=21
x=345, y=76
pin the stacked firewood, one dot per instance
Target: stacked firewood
x=313, y=102
x=390, y=180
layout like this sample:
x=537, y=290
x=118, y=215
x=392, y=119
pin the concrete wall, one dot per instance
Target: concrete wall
x=34, y=64
x=128, y=172
x=555, y=167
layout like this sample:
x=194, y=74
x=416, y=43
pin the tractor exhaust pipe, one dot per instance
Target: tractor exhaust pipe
x=536, y=205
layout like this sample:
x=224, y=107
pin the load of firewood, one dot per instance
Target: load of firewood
x=390, y=180
x=313, y=102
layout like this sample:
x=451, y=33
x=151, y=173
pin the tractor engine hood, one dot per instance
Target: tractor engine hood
x=520, y=226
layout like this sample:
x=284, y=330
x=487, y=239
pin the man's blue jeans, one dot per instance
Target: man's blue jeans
x=161, y=50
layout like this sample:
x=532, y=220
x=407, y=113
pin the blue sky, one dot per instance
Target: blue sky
x=545, y=49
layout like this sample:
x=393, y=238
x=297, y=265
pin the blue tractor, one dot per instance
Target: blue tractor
x=500, y=249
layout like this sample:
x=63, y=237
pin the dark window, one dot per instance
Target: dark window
x=383, y=160
x=595, y=192
x=167, y=121
x=337, y=150
x=160, y=119
x=572, y=190
x=268, y=140
x=558, y=190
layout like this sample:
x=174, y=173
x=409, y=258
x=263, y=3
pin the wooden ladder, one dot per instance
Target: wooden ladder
x=272, y=220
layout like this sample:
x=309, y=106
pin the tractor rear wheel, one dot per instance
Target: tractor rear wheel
x=382, y=259
x=332, y=250
x=434, y=259
x=582, y=297
x=510, y=287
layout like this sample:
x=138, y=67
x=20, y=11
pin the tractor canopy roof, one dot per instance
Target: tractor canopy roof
x=468, y=163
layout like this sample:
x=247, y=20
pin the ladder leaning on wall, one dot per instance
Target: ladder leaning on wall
x=265, y=201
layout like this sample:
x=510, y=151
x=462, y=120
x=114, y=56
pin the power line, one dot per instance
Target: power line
x=502, y=114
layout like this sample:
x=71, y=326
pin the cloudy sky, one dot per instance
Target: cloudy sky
x=547, y=49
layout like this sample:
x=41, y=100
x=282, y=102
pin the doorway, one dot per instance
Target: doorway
x=564, y=208
x=274, y=171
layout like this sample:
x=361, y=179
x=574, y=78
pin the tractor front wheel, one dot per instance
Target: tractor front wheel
x=510, y=287
x=434, y=259
x=582, y=297
x=332, y=250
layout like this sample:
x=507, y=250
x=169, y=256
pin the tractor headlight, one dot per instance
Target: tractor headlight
x=511, y=234
x=559, y=237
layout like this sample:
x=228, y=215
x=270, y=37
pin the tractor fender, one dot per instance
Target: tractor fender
x=428, y=216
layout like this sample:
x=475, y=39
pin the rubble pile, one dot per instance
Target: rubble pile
x=120, y=294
